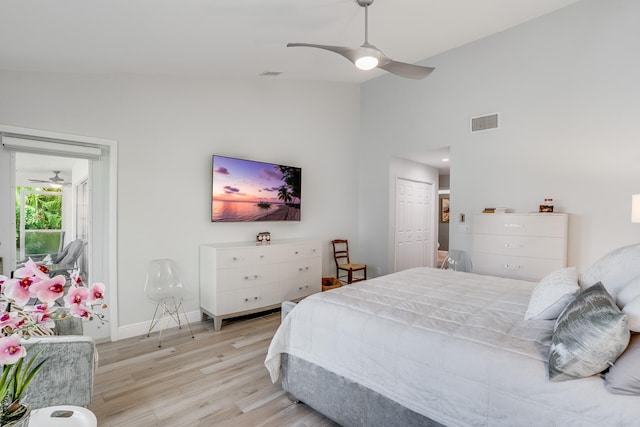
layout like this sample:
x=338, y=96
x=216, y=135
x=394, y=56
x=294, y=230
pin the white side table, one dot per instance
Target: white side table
x=62, y=416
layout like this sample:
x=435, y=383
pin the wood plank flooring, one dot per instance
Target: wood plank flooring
x=215, y=379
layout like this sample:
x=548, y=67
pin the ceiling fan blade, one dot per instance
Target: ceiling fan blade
x=347, y=52
x=403, y=69
x=37, y=180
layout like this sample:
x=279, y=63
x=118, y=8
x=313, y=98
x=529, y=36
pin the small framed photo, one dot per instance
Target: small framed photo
x=444, y=209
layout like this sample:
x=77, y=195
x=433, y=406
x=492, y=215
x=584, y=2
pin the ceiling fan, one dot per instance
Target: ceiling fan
x=55, y=181
x=368, y=57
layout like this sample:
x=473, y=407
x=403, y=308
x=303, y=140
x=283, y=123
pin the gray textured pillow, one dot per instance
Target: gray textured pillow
x=589, y=336
x=624, y=376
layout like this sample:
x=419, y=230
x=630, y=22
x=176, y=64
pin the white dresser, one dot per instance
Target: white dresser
x=521, y=246
x=243, y=278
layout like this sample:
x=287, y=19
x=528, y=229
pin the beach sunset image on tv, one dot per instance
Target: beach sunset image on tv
x=246, y=190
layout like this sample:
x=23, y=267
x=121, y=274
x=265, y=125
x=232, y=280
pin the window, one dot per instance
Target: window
x=38, y=221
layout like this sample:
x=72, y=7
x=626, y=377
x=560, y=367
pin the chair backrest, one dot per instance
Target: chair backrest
x=162, y=280
x=70, y=253
x=458, y=260
x=340, y=251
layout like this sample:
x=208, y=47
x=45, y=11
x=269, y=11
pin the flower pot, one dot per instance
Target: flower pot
x=19, y=418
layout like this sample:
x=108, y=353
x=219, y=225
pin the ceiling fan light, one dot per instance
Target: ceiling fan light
x=55, y=185
x=367, y=63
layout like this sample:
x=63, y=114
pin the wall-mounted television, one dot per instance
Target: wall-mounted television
x=246, y=190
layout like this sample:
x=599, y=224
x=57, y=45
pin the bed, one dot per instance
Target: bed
x=433, y=347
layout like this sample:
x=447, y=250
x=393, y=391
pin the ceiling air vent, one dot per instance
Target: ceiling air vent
x=487, y=122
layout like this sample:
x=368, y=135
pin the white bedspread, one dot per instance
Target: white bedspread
x=452, y=346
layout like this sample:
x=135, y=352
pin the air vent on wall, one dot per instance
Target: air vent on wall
x=487, y=122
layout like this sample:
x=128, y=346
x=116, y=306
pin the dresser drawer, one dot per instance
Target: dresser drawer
x=232, y=258
x=247, y=277
x=542, y=225
x=303, y=250
x=523, y=246
x=239, y=300
x=525, y=268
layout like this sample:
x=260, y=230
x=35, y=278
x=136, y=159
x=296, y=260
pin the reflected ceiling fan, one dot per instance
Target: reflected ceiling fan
x=55, y=181
x=368, y=57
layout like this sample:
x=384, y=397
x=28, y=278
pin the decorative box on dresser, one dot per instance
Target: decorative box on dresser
x=523, y=246
x=244, y=278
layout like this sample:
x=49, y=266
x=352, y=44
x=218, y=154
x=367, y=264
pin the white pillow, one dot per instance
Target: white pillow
x=629, y=292
x=614, y=270
x=624, y=376
x=633, y=313
x=554, y=292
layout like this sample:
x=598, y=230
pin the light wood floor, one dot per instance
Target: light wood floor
x=215, y=379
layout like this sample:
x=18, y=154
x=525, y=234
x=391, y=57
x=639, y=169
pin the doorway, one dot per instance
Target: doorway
x=413, y=230
x=47, y=205
x=91, y=203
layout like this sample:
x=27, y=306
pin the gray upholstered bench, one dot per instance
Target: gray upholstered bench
x=67, y=375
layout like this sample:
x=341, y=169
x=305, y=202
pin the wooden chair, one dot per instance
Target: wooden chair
x=343, y=263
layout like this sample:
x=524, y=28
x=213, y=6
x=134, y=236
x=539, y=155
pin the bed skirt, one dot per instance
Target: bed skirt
x=345, y=402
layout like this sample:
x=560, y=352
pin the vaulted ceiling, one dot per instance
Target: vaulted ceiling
x=242, y=38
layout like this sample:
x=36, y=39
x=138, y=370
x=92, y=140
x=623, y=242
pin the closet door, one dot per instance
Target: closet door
x=414, y=233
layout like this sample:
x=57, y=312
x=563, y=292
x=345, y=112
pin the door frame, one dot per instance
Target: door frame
x=109, y=204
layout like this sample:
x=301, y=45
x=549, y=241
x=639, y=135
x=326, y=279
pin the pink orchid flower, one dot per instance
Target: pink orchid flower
x=18, y=290
x=76, y=296
x=96, y=293
x=8, y=319
x=76, y=280
x=49, y=290
x=81, y=311
x=10, y=350
x=41, y=313
x=40, y=272
x=2, y=280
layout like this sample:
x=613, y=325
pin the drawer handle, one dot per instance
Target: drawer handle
x=255, y=276
x=235, y=259
x=513, y=266
x=247, y=299
x=513, y=246
x=513, y=226
x=303, y=268
x=303, y=287
x=297, y=252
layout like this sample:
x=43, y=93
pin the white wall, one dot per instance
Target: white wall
x=168, y=128
x=567, y=88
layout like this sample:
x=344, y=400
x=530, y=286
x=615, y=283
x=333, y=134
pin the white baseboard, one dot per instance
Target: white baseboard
x=139, y=329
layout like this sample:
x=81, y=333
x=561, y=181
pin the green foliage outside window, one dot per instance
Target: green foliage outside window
x=42, y=212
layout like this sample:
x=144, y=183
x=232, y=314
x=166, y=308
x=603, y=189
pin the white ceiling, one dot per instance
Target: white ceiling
x=41, y=167
x=241, y=38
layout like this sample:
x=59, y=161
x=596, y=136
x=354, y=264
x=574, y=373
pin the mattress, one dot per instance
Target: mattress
x=451, y=346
